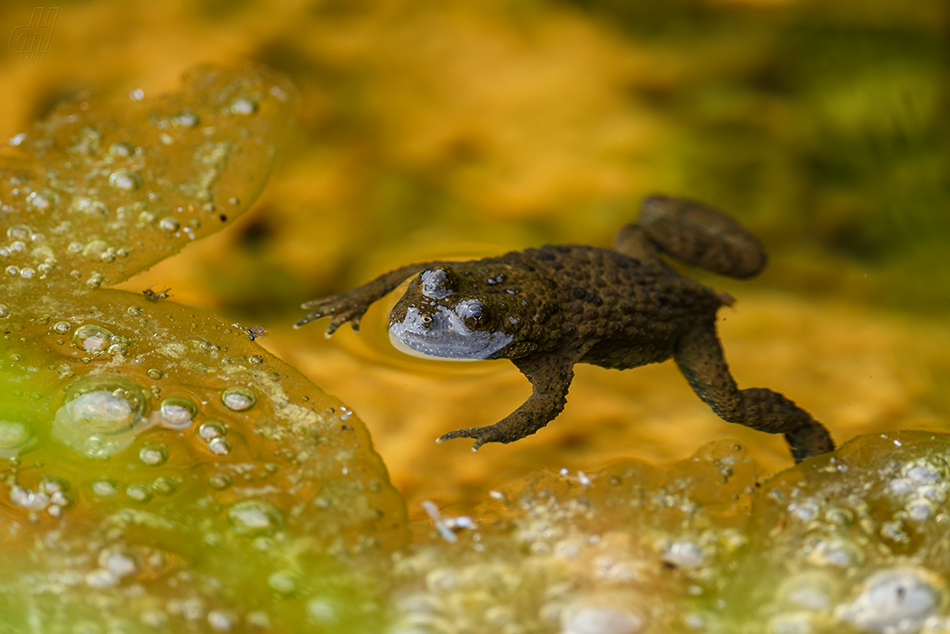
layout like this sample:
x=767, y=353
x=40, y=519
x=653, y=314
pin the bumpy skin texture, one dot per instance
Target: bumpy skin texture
x=549, y=308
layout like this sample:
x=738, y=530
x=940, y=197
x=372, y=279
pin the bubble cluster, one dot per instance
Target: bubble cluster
x=97, y=340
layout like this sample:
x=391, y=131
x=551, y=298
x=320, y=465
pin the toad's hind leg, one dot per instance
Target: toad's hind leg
x=699, y=357
x=702, y=236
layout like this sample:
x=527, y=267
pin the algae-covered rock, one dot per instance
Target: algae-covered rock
x=856, y=541
x=161, y=471
x=629, y=549
x=95, y=194
x=850, y=542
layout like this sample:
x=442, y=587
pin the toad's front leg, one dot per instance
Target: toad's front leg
x=350, y=306
x=550, y=376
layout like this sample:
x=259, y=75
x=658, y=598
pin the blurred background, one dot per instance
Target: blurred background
x=469, y=128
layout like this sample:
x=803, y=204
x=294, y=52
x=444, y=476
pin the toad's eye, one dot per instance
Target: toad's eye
x=473, y=314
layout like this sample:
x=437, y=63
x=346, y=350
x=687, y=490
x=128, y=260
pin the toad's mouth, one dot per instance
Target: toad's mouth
x=444, y=335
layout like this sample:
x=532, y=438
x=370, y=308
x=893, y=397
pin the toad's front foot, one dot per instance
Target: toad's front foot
x=343, y=308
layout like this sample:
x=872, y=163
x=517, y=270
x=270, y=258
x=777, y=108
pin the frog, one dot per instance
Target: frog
x=546, y=309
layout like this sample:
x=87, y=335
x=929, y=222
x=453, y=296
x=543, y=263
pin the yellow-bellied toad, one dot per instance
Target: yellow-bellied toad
x=549, y=308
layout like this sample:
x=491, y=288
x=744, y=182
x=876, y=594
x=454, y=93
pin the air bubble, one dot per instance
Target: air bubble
x=92, y=338
x=221, y=621
x=282, y=583
x=164, y=485
x=155, y=619
x=138, y=492
x=238, y=399
x=597, y=619
x=43, y=199
x=101, y=416
x=121, y=149
x=219, y=481
x=243, y=106
x=53, y=484
x=154, y=374
x=684, y=554
x=177, y=412
x=211, y=430
x=169, y=224
x=62, y=327
x=19, y=232
x=126, y=180
x=254, y=518
x=15, y=436
x=105, y=488
x=119, y=561
x=812, y=590
x=838, y=552
x=922, y=471
x=919, y=510
x=27, y=499
x=186, y=118
x=219, y=446
x=895, y=600
x=100, y=578
x=322, y=611
x=95, y=208
x=153, y=454
x=97, y=251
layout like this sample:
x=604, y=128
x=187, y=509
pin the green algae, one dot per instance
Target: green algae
x=163, y=472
